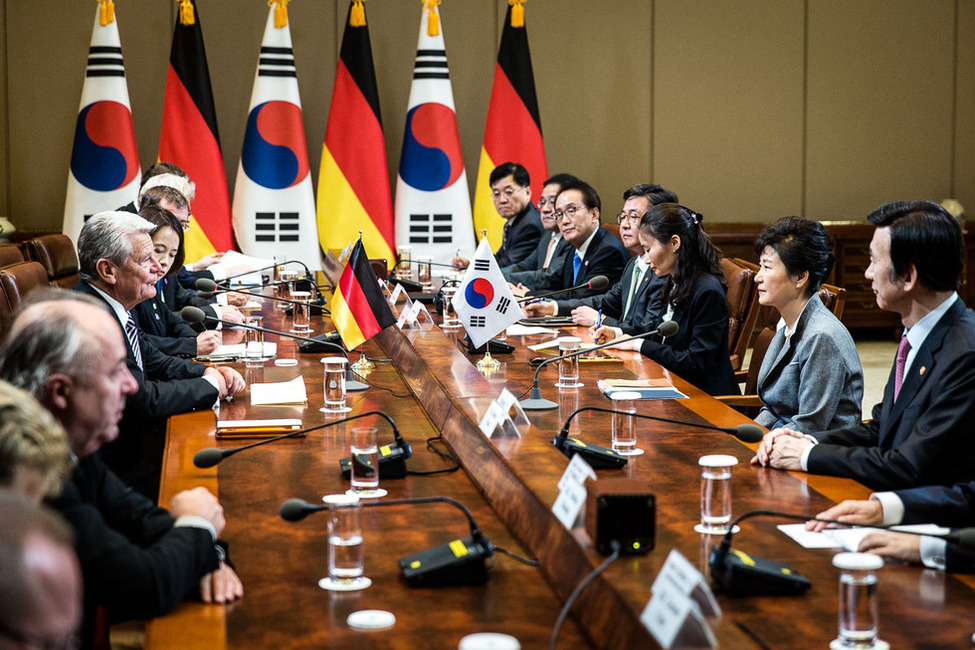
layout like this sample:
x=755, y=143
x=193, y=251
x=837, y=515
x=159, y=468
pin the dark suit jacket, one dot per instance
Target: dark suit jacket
x=699, y=350
x=605, y=256
x=134, y=562
x=523, y=235
x=162, y=326
x=529, y=271
x=614, y=301
x=940, y=504
x=168, y=386
x=925, y=438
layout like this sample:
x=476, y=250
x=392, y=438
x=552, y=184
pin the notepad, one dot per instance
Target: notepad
x=647, y=388
x=256, y=428
x=282, y=392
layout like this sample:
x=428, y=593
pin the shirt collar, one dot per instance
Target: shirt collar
x=581, y=251
x=120, y=313
x=917, y=334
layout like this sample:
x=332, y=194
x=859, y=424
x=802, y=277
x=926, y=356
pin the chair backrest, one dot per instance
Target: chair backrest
x=10, y=254
x=57, y=254
x=762, y=341
x=834, y=298
x=16, y=283
x=741, y=294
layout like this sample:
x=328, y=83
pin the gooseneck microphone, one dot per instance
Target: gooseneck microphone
x=741, y=574
x=392, y=460
x=196, y=315
x=208, y=288
x=605, y=458
x=535, y=401
x=308, y=273
x=460, y=562
x=597, y=283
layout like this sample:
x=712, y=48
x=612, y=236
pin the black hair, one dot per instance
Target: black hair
x=696, y=254
x=590, y=197
x=924, y=235
x=654, y=193
x=802, y=245
x=515, y=170
x=163, y=218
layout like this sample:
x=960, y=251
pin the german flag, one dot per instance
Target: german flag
x=514, y=130
x=190, y=139
x=359, y=309
x=353, y=185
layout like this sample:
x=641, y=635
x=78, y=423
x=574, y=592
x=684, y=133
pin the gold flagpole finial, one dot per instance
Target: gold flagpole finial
x=433, y=22
x=360, y=235
x=186, y=12
x=517, y=12
x=357, y=17
x=483, y=232
x=280, y=12
x=106, y=12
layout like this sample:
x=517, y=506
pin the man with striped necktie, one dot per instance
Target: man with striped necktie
x=117, y=268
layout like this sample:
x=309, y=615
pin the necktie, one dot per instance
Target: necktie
x=576, y=265
x=548, y=253
x=159, y=291
x=634, y=283
x=132, y=334
x=902, y=350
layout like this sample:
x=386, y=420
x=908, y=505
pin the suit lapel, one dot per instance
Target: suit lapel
x=921, y=368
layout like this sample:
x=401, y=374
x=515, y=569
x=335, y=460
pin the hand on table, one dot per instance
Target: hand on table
x=221, y=586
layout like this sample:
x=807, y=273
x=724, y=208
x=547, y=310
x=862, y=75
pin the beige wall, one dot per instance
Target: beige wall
x=748, y=110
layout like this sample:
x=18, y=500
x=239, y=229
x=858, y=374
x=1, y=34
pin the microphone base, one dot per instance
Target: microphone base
x=392, y=461
x=597, y=457
x=461, y=562
x=536, y=402
x=740, y=574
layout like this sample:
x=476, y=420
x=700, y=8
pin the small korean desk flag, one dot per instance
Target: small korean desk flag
x=483, y=301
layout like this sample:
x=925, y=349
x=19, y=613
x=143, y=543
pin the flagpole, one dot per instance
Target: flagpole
x=363, y=365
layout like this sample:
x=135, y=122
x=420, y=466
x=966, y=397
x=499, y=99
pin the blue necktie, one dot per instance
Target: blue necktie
x=576, y=265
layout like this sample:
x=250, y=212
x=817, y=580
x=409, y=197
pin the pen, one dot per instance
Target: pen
x=599, y=319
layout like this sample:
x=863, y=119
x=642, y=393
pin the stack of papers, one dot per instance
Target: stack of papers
x=282, y=392
x=849, y=538
x=648, y=388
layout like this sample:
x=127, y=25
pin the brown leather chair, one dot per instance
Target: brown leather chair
x=57, y=254
x=16, y=283
x=10, y=254
x=742, y=308
x=834, y=298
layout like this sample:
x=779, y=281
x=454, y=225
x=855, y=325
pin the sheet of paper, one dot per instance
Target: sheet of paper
x=237, y=350
x=847, y=538
x=232, y=262
x=279, y=423
x=282, y=392
x=528, y=330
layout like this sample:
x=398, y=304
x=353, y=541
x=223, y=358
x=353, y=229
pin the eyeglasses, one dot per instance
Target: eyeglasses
x=542, y=202
x=186, y=224
x=508, y=192
x=628, y=216
x=569, y=213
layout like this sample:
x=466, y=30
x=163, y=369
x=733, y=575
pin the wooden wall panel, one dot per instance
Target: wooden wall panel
x=727, y=102
x=749, y=111
x=879, y=104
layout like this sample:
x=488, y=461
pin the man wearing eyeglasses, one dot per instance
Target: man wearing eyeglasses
x=512, y=195
x=627, y=304
x=543, y=268
x=594, y=250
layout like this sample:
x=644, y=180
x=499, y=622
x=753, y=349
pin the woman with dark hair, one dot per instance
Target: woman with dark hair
x=693, y=296
x=155, y=317
x=810, y=379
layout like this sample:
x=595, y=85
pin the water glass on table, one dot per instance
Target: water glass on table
x=345, y=549
x=364, y=450
x=715, y=493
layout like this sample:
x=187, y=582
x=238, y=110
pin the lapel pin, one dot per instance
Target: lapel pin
x=923, y=370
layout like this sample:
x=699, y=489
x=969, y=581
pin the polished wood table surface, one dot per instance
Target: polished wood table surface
x=510, y=485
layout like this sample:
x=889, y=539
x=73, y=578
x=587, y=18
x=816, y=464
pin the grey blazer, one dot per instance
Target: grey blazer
x=813, y=380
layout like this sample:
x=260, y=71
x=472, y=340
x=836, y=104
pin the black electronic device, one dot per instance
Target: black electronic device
x=621, y=510
x=322, y=343
x=392, y=461
x=461, y=562
x=494, y=346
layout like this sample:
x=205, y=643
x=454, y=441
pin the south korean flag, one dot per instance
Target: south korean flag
x=483, y=301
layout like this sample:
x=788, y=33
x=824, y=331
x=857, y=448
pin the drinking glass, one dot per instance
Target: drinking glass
x=624, y=425
x=858, y=618
x=345, y=550
x=715, y=493
x=253, y=341
x=364, y=449
x=334, y=369
x=569, y=368
x=301, y=322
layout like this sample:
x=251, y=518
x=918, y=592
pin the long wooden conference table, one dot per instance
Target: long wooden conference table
x=509, y=484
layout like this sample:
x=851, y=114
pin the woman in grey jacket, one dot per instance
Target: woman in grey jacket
x=810, y=379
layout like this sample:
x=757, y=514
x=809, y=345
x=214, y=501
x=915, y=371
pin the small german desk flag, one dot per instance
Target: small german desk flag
x=359, y=309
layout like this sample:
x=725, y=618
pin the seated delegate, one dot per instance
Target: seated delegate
x=678, y=249
x=810, y=379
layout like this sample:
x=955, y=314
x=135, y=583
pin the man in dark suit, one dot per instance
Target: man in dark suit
x=921, y=433
x=117, y=268
x=542, y=269
x=137, y=560
x=595, y=251
x=512, y=195
x=627, y=302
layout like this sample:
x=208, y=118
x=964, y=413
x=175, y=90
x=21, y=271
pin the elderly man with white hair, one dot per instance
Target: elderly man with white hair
x=117, y=269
